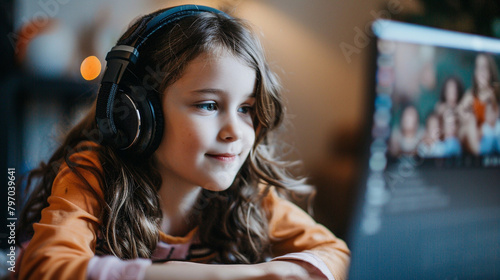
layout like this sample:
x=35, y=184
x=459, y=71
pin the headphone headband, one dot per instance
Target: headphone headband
x=168, y=16
x=141, y=129
x=128, y=50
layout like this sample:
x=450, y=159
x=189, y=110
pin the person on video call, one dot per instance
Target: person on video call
x=405, y=139
x=473, y=107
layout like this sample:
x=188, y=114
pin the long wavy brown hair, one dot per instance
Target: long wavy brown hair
x=231, y=222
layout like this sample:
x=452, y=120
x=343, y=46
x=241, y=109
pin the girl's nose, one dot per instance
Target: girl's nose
x=231, y=128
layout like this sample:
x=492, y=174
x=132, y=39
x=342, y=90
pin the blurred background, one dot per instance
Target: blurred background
x=52, y=56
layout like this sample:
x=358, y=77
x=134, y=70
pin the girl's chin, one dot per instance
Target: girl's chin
x=216, y=187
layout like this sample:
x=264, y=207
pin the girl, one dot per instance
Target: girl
x=431, y=145
x=404, y=141
x=472, y=108
x=203, y=192
x=451, y=143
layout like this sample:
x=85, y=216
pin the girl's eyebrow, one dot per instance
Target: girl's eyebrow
x=216, y=91
x=208, y=90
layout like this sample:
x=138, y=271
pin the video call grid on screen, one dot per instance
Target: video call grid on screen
x=415, y=222
x=436, y=98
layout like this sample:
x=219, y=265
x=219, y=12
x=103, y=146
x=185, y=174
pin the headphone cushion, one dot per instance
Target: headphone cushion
x=149, y=117
x=126, y=116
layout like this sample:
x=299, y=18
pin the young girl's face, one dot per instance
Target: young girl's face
x=482, y=71
x=451, y=93
x=208, y=123
x=409, y=122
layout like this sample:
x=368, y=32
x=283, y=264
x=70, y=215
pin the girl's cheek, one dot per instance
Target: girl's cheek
x=251, y=134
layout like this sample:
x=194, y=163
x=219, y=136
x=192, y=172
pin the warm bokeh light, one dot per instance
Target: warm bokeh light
x=90, y=68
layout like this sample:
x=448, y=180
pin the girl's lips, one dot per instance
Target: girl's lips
x=223, y=157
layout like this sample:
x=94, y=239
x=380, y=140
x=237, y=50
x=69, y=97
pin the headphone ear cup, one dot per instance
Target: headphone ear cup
x=139, y=119
x=127, y=119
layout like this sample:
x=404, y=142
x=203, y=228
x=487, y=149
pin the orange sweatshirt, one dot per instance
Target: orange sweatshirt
x=65, y=238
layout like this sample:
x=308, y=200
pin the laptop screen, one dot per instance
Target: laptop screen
x=429, y=207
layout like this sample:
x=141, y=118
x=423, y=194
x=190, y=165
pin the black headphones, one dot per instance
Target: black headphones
x=129, y=117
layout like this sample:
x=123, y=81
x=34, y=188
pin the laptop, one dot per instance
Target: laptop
x=428, y=205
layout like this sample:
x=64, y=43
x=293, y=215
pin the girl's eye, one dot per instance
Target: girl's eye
x=209, y=106
x=245, y=109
